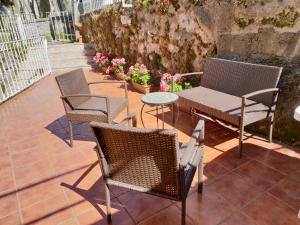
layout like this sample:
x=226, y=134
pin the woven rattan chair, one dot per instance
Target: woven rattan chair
x=234, y=92
x=81, y=105
x=149, y=160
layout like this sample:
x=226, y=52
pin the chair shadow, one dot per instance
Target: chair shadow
x=89, y=194
x=81, y=130
x=93, y=195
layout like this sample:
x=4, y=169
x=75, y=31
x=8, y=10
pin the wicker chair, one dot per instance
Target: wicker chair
x=149, y=160
x=81, y=105
x=234, y=92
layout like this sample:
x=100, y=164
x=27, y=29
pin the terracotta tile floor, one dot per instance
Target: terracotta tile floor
x=44, y=181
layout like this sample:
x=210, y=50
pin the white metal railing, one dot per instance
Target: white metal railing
x=23, y=54
x=61, y=25
x=88, y=6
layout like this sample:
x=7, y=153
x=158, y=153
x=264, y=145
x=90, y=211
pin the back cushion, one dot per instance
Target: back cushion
x=71, y=83
x=238, y=78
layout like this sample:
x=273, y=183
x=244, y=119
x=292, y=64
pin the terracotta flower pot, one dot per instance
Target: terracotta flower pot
x=141, y=88
x=120, y=76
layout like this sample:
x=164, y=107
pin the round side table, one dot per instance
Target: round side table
x=161, y=99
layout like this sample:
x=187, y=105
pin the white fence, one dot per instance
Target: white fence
x=88, y=6
x=23, y=54
x=61, y=26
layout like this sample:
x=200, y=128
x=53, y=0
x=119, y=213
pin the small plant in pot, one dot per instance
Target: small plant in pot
x=101, y=59
x=179, y=83
x=118, y=68
x=140, y=77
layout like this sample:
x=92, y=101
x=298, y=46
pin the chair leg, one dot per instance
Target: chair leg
x=200, y=177
x=183, y=211
x=108, y=204
x=70, y=133
x=241, y=139
x=271, y=128
x=128, y=113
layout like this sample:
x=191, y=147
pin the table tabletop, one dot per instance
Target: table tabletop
x=159, y=98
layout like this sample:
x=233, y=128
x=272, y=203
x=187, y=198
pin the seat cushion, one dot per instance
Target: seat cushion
x=94, y=109
x=221, y=106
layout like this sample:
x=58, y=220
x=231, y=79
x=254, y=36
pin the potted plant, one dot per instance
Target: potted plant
x=101, y=59
x=140, y=77
x=118, y=68
x=179, y=83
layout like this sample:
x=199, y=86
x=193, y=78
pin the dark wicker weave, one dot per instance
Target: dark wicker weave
x=81, y=105
x=149, y=160
x=234, y=92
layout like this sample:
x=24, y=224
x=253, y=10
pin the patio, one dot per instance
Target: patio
x=44, y=181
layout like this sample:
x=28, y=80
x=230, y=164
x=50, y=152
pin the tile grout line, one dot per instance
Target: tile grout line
x=157, y=212
x=251, y=201
x=59, y=178
x=266, y=191
x=285, y=174
x=130, y=216
x=284, y=202
x=69, y=204
x=16, y=189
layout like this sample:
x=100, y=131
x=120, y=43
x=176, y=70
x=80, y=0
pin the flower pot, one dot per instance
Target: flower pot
x=120, y=76
x=141, y=88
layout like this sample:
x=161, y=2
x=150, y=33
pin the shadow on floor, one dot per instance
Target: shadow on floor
x=81, y=130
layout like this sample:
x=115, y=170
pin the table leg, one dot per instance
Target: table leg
x=142, y=115
x=173, y=118
x=175, y=114
x=156, y=116
x=163, y=117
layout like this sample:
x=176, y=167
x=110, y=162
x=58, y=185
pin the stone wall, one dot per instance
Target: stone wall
x=177, y=35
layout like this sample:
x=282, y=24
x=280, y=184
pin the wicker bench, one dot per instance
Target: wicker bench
x=234, y=92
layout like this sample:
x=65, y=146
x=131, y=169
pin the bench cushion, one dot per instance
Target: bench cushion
x=221, y=106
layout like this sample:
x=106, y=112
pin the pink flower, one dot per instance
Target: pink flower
x=142, y=69
x=107, y=70
x=118, y=62
x=95, y=59
x=122, y=61
x=166, y=77
x=130, y=70
x=163, y=86
x=177, y=77
x=101, y=58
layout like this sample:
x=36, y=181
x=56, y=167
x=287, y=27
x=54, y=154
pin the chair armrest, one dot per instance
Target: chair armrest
x=65, y=98
x=112, y=82
x=246, y=96
x=82, y=95
x=192, y=155
x=260, y=92
x=189, y=74
x=107, y=82
x=126, y=120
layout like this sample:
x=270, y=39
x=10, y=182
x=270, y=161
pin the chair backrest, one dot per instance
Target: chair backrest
x=71, y=83
x=144, y=159
x=239, y=78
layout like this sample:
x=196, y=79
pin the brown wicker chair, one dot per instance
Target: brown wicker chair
x=149, y=160
x=234, y=92
x=81, y=105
